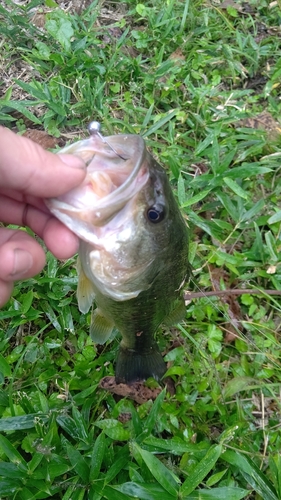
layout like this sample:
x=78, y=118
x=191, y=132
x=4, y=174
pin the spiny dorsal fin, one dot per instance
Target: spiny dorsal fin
x=176, y=315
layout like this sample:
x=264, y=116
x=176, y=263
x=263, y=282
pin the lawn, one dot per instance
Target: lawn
x=200, y=81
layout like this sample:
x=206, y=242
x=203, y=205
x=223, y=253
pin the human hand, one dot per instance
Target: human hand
x=28, y=174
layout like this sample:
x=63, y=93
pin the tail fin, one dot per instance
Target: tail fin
x=134, y=366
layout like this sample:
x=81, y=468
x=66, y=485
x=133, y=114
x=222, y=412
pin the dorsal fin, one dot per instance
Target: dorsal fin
x=177, y=314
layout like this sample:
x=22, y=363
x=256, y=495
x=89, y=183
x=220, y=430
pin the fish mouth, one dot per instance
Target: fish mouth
x=117, y=170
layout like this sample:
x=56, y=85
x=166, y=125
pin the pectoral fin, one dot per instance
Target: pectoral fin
x=85, y=291
x=101, y=328
x=176, y=315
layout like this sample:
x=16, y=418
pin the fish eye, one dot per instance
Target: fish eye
x=155, y=214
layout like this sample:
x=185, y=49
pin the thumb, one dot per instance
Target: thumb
x=30, y=169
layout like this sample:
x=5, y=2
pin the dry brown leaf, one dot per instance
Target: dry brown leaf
x=39, y=19
x=234, y=312
x=136, y=391
x=177, y=55
x=42, y=138
x=264, y=121
x=230, y=3
x=266, y=407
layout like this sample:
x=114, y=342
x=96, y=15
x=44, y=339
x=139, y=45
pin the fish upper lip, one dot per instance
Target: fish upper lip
x=140, y=154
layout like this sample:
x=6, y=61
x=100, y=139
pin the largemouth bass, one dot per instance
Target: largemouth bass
x=133, y=256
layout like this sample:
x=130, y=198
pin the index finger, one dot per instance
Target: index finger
x=28, y=168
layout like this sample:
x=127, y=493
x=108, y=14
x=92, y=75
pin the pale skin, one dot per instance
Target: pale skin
x=28, y=175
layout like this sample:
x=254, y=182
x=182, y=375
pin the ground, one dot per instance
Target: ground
x=200, y=80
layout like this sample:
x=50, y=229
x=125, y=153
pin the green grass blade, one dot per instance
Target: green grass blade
x=184, y=16
x=237, y=385
x=10, y=470
x=204, y=144
x=32, y=90
x=235, y=188
x=251, y=473
x=78, y=461
x=144, y=491
x=161, y=122
x=147, y=117
x=5, y=367
x=97, y=457
x=68, y=424
x=114, y=429
x=162, y=475
x=194, y=199
x=223, y=493
x=174, y=446
x=11, y=452
x=21, y=108
x=51, y=315
x=80, y=424
x=8, y=487
x=111, y=493
x=201, y=470
x=275, y=218
x=118, y=465
x=253, y=211
x=153, y=415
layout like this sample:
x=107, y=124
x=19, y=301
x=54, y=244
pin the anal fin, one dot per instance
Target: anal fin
x=101, y=328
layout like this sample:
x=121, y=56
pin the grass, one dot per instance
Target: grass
x=190, y=76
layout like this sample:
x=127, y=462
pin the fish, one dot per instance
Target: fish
x=133, y=254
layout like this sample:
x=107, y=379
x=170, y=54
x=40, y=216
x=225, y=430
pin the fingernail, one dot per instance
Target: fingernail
x=72, y=161
x=23, y=261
